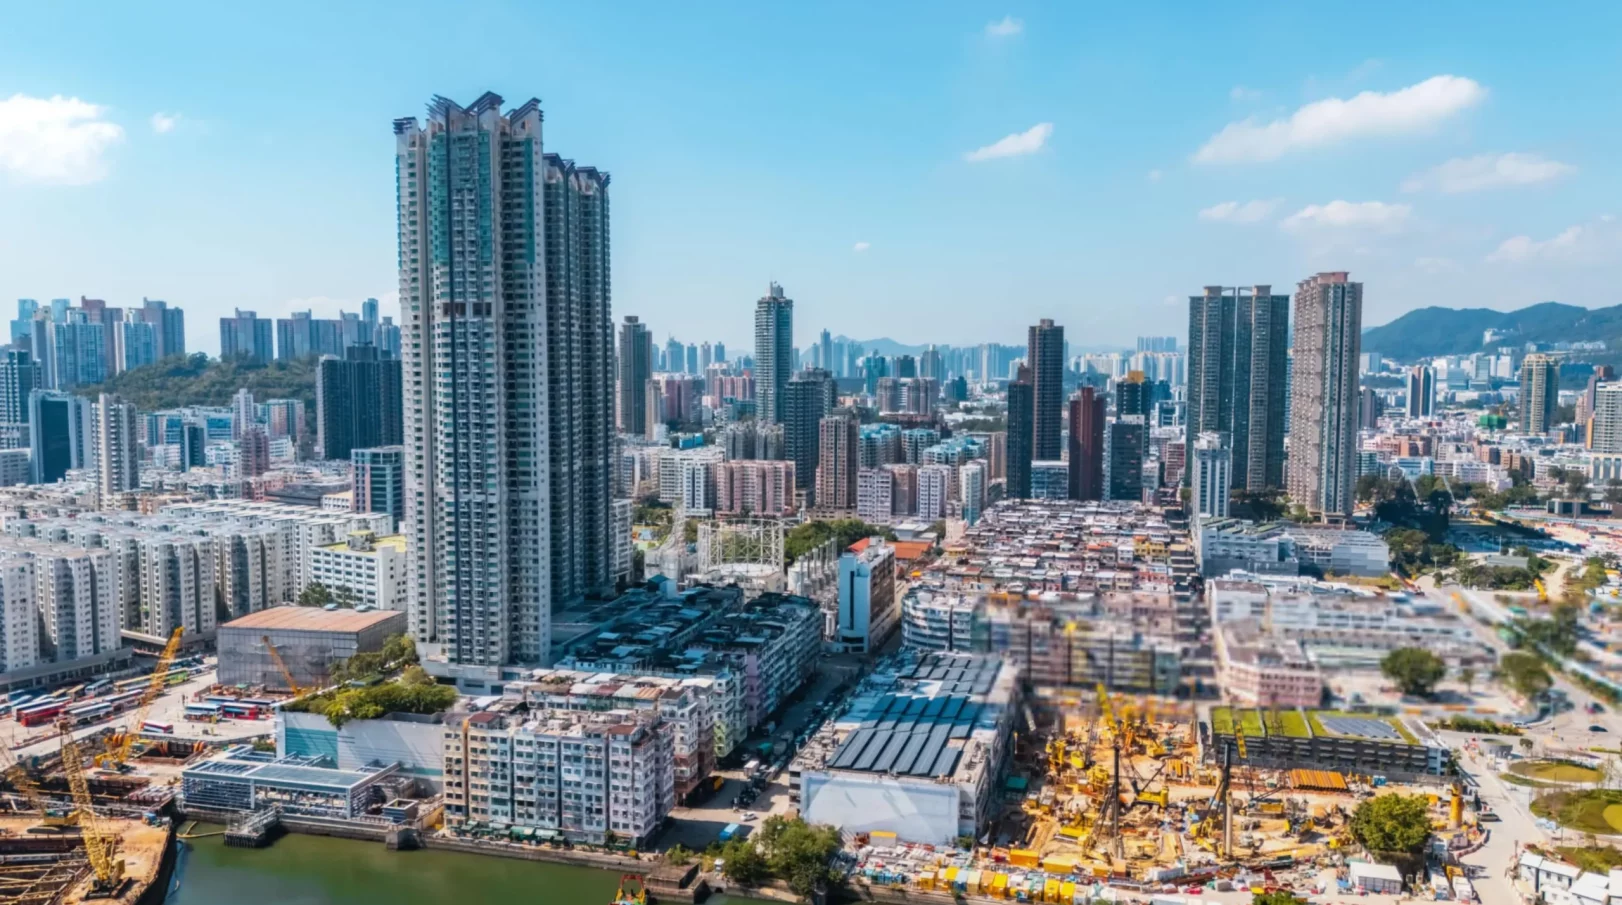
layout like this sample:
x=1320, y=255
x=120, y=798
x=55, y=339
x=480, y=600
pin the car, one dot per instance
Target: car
x=1488, y=817
x=1596, y=728
x=1194, y=891
x=749, y=815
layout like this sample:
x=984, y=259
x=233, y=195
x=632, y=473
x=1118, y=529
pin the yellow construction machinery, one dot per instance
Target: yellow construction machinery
x=281, y=664
x=1239, y=738
x=121, y=744
x=100, y=843
x=56, y=818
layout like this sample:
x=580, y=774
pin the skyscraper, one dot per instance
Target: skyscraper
x=170, y=324
x=19, y=375
x=635, y=369
x=1086, y=443
x=23, y=327
x=247, y=334
x=837, y=462
x=1044, y=355
x=825, y=353
x=472, y=226
x=930, y=364
x=580, y=360
x=806, y=400
x=358, y=402
x=379, y=480
x=1210, y=475
x=1021, y=430
x=1238, y=340
x=1125, y=441
x=368, y=311
x=118, y=457
x=1324, y=396
x=1540, y=393
x=1421, y=392
x=60, y=432
x=253, y=452
x=1133, y=395
x=774, y=354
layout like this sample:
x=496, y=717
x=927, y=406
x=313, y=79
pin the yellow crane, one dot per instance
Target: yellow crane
x=287, y=674
x=1239, y=738
x=119, y=749
x=100, y=842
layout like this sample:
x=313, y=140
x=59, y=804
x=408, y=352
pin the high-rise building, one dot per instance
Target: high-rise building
x=1125, y=442
x=1540, y=393
x=1044, y=355
x=774, y=354
x=135, y=344
x=931, y=365
x=1021, y=432
x=825, y=353
x=472, y=224
x=1157, y=344
x=971, y=478
x=23, y=327
x=118, y=449
x=368, y=311
x=19, y=376
x=244, y=411
x=635, y=370
x=170, y=324
x=71, y=353
x=1238, y=340
x=869, y=608
x=358, y=402
x=1133, y=395
x=379, y=480
x=1086, y=442
x=934, y=491
x=248, y=335
x=253, y=452
x=61, y=429
x=1210, y=478
x=1421, y=392
x=1324, y=399
x=837, y=462
x=1369, y=409
x=304, y=335
x=193, y=446
x=805, y=400
x=580, y=361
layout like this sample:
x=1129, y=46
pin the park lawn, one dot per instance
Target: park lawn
x=1589, y=811
x=1555, y=771
x=1515, y=779
x=1593, y=858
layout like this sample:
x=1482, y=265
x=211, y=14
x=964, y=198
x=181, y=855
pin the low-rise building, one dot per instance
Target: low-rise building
x=1279, y=548
x=1362, y=743
x=242, y=779
x=309, y=640
x=919, y=752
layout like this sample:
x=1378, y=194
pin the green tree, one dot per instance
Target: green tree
x=808, y=536
x=1525, y=673
x=1393, y=824
x=1468, y=677
x=745, y=865
x=1415, y=670
x=399, y=650
x=315, y=594
x=1274, y=898
x=799, y=853
x=678, y=855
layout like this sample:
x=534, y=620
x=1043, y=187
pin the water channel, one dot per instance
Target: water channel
x=315, y=870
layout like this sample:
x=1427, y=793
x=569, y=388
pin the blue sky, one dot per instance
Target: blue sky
x=1444, y=153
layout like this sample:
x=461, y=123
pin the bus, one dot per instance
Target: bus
x=137, y=683
x=97, y=687
x=124, y=699
x=237, y=710
x=176, y=676
x=89, y=713
x=40, y=713
x=72, y=694
x=157, y=727
x=203, y=713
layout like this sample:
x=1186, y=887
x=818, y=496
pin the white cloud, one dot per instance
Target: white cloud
x=1487, y=171
x=59, y=140
x=1241, y=93
x=164, y=122
x=861, y=247
x=1154, y=175
x=1434, y=265
x=1349, y=215
x=1007, y=28
x=1331, y=120
x=1028, y=142
x=1239, y=211
x=1525, y=248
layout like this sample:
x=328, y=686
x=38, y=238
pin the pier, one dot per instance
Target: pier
x=256, y=829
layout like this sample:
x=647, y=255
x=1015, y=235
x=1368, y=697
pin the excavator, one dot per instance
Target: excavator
x=121, y=744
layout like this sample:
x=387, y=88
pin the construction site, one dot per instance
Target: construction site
x=85, y=813
x=1132, y=793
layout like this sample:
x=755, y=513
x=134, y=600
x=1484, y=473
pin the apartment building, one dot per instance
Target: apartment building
x=364, y=570
x=868, y=609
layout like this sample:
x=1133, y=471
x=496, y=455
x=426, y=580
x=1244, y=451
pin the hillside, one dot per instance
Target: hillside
x=199, y=380
x=1430, y=332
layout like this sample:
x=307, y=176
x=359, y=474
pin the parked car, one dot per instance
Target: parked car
x=1596, y=728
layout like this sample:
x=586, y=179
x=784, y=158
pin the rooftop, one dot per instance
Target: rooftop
x=242, y=764
x=312, y=619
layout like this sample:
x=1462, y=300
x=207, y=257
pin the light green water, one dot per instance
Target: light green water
x=315, y=870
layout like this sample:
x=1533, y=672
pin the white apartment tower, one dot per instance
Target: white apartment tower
x=1324, y=394
x=474, y=344
x=774, y=354
x=1212, y=475
x=118, y=451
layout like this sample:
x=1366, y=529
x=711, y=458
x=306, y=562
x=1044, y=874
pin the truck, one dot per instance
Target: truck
x=729, y=831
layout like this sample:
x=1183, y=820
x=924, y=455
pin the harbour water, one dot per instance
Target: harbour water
x=315, y=870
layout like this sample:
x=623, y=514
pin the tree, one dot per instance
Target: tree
x=1527, y=745
x=1468, y=677
x=798, y=852
x=745, y=865
x=1274, y=898
x=399, y=650
x=1613, y=491
x=1415, y=670
x=1576, y=484
x=314, y=594
x=678, y=855
x=1393, y=824
x=1525, y=673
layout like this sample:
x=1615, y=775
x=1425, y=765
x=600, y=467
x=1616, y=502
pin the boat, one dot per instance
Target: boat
x=632, y=891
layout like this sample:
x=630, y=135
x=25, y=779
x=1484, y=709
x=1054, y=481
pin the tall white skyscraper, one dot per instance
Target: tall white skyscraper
x=1324, y=394
x=118, y=457
x=774, y=353
x=1211, y=475
x=472, y=222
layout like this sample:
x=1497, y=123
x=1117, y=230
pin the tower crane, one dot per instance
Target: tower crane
x=100, y=842
x=119, y=751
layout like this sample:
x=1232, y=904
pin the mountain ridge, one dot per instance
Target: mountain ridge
x=1436, y=330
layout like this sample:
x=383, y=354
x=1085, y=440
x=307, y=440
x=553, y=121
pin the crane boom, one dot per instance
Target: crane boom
x=154, y=687
x=18, y=776
x=100, y=843
x=281, y=664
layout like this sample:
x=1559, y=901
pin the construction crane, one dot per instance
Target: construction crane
x=1239, y=738
x=119, y=749
x=100, y=842
x=287, y=674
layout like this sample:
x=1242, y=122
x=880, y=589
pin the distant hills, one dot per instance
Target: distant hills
x=1431, y=332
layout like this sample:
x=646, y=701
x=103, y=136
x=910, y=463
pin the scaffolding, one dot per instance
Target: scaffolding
x=749, y=542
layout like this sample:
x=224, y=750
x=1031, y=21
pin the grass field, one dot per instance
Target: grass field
x=1294, y=724
x=1555, y=771
x=1597, y=859
x=1513, y=779
x=1597, y=811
